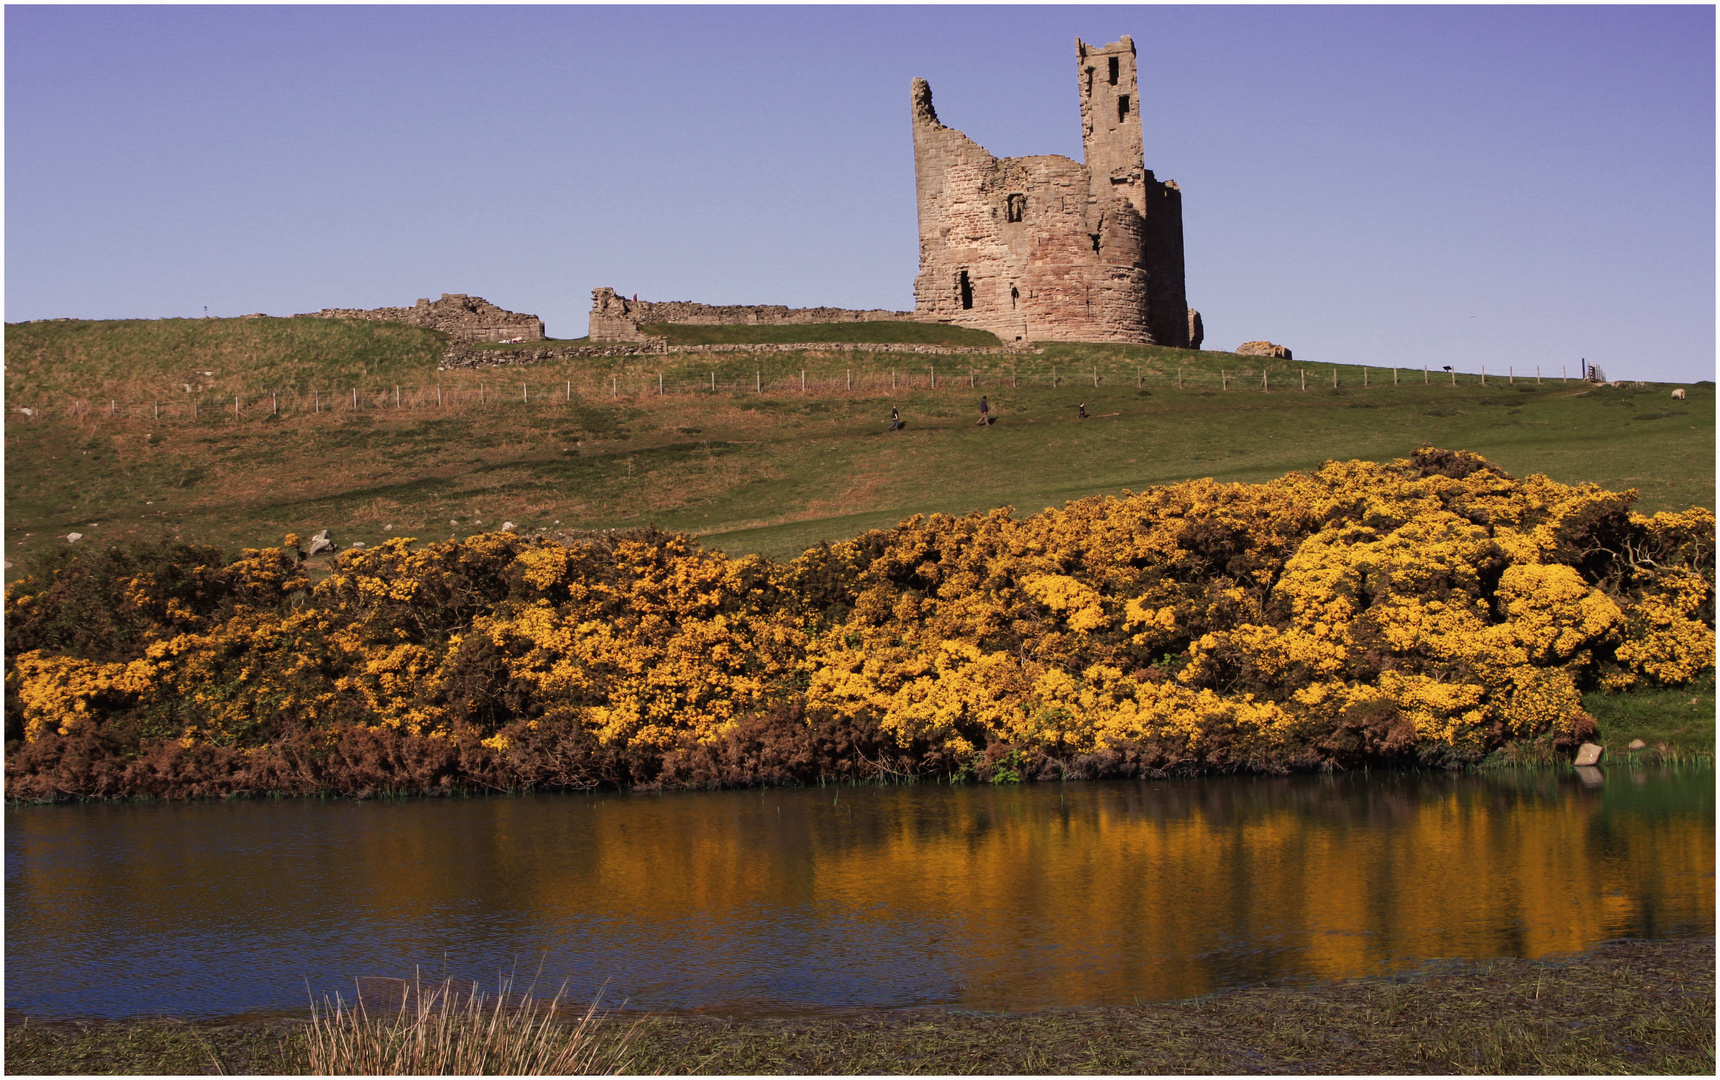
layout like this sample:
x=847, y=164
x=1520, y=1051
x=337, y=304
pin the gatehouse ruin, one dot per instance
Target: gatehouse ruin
x=1031, y=249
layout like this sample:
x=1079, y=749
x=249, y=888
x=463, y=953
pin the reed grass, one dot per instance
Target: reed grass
x=442, y=1030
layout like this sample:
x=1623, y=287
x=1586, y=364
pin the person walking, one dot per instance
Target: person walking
x=984, y=412
x=895, y=419
x=1081, y=411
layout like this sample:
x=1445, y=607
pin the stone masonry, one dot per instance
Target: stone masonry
x=464, y=318
x=1047, y=249
x=616, y=318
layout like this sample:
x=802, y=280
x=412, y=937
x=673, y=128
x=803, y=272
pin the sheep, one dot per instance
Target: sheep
x=1678, y=394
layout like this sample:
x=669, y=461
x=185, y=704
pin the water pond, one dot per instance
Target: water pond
x=784, y=901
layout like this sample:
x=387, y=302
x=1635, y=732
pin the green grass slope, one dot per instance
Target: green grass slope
x=145, y=359
x=593, y=444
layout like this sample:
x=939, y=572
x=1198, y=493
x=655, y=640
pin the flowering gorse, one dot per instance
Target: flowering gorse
x=1432, y=606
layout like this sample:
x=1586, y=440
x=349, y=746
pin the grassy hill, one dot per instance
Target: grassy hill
x=731, y=448
x=145, y=359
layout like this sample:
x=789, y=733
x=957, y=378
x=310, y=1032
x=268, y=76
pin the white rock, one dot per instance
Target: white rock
x=1588, y=754
x=507, y=526
x=72, y=538
x=358, y=543
x=1637, y=744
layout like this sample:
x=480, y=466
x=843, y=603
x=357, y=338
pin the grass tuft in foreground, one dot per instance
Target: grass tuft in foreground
x=442, y=1031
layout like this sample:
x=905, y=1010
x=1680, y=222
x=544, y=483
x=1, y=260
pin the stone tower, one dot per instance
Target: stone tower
x=1045, y=249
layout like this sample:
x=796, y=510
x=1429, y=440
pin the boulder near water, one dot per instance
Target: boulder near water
x=1588, y=754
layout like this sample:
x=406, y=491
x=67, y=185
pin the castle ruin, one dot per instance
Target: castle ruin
x=1046, y=249
x=1032, y=248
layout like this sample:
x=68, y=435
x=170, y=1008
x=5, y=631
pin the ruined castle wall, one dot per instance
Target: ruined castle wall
x=1162, y=240
x=1045, y=248
x=465, y=318
x=616, y=318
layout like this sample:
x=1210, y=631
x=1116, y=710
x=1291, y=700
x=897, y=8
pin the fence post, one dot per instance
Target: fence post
x=525, y=395
x=275, y=402
x=157, y=410
x=1424, y=374
x=1394, y=376
x=892, y=378
x=803, y=380
x=483, y=395
x=1564, y=374
x=1364, y=376
x=1223, y=380
x=1334, y=378
x=934, y=370
x=316, y=401
x=713, y=380
x=355, y=397
x=397, y=395
x=438, y=395
x=235, y=406
x=758, y=381
x=659, y=384
x=1537, y=374
x=1265, y=387
x=570, y=389
x=1510, y=375
x=113, y=407
x=614, y=386
x=193, y=408
x=1179, y=378
x=1304, y=378
x=1483, y=374
x=1454, y=376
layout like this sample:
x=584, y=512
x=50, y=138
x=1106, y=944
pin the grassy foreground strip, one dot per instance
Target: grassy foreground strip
x=1624, y=1007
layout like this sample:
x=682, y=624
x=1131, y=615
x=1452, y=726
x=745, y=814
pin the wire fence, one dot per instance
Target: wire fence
x=595, y=388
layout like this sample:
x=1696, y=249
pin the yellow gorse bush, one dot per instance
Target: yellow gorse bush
x=1432, y=605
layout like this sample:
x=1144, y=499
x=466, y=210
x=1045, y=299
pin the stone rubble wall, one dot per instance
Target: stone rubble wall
x=465, y=318
x=458, y=356
x=616, y=318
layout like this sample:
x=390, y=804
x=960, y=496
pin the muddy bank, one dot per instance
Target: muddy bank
x=1633, y=1007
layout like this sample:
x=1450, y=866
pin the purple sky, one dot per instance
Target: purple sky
x=1447, y=185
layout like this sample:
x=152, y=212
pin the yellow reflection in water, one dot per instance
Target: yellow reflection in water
x=1023, y=898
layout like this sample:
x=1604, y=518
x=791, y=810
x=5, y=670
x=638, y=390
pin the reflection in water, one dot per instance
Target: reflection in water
x=986, y=898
